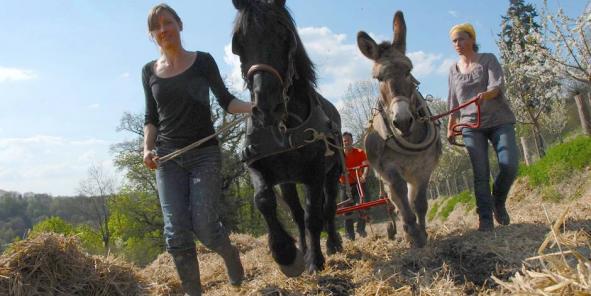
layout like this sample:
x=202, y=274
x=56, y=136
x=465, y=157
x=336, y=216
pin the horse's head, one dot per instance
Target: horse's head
x=265, y=38
x=392, y=69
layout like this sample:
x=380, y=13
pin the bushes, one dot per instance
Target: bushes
x=560, y=162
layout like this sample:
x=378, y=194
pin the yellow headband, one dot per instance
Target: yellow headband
x=465, y=27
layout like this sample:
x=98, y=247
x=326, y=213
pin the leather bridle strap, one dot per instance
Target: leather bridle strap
x=264, y=68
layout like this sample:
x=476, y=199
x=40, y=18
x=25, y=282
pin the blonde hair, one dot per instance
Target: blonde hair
x=160, y=7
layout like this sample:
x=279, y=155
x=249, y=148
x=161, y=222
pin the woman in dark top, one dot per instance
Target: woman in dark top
x=177, y=114
x=479, y=74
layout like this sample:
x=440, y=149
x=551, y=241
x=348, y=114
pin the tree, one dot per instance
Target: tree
x=358, y=106
x=453, y=162
x=531, y=84
x=571, y=40
x=129, y=156
x=100, y=187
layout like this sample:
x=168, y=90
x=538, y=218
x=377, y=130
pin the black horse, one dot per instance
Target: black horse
x=292, y=136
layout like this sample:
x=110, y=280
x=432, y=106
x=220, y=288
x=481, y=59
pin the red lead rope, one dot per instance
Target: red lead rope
x=457, y=128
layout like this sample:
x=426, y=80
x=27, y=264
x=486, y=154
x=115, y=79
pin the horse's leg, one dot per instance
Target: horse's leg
x=290, y=196
x=397, y=191
x=418, y=198
x=314, y=223
x=282, y=245
x=333, y=242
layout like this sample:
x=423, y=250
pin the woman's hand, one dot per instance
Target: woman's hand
x=150, y=159
x=451, y=136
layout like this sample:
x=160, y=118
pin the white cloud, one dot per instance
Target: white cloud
x=124, y=75
x=93, y=106
x=443, y=68
x=235, y=77
x=338, y=61
x=423, y=63
x=453, y=13
x=15, y=74
x=47, y=164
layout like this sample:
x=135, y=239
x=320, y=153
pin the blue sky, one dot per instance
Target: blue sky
x=69, y=69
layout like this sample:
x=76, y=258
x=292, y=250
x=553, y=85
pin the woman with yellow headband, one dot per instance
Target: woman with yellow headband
x=480, y=74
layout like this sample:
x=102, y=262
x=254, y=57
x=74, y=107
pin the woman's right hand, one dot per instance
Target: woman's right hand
x=451, y=136
x=150, y=159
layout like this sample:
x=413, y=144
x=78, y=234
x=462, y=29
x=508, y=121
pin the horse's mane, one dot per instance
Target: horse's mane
x=258, y=13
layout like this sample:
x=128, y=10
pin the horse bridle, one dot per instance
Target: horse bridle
x=289, y=75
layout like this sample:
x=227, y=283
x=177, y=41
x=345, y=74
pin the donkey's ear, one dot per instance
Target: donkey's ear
x=240, y=4
x=399, y=41
x=367, y=45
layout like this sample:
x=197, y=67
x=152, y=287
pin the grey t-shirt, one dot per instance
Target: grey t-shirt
x=487, y=74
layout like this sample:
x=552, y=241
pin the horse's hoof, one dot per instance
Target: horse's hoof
x=334, y=246
x=296, y=267
x=313, y=269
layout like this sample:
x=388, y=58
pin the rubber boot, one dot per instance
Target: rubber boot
x=187, y=268
x=361, y=224
x=500, y=211
x=485, y=220
x=234, y=268
x=350, y=228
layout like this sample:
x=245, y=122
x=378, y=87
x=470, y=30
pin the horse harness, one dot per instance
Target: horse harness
x=263, y=142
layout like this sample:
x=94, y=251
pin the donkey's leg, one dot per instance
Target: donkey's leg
x=396, y=189
x=290, y=196
x=282, y=245
x=418, y=198
x=331, y=190
x=314, y=223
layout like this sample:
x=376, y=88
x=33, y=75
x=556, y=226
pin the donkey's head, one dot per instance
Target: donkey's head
x=392, y=69
x=265, y=38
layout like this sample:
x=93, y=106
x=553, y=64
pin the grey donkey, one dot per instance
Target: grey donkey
x=402, y=144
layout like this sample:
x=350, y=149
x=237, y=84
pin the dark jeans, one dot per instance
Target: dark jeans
x=359, y=216
x=189, y=188
x=503, y=141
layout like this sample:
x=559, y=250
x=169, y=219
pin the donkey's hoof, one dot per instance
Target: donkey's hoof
x=415, y=236
x=296, y=267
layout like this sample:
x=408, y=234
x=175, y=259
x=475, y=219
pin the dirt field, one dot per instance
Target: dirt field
x=458, y=260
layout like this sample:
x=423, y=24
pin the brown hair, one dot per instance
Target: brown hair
x=156, y=9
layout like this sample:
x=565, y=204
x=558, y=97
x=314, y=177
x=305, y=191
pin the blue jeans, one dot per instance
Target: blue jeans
x=189, y=188
x=502, y=138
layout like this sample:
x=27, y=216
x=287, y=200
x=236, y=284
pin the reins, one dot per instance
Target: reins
x=200, y=142
x=457, y=128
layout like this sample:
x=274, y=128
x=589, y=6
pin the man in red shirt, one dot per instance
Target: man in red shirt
x=354, y=158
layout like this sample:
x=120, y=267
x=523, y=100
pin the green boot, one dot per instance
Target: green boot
x=187, y=268
x=234, y=268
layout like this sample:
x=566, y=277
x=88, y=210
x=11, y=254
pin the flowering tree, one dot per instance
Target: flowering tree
x=532, y=84
x=571, y=40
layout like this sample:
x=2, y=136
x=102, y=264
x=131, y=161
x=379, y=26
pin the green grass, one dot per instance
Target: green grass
x=433, y=211
x=448, y=205
x=560, y=162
